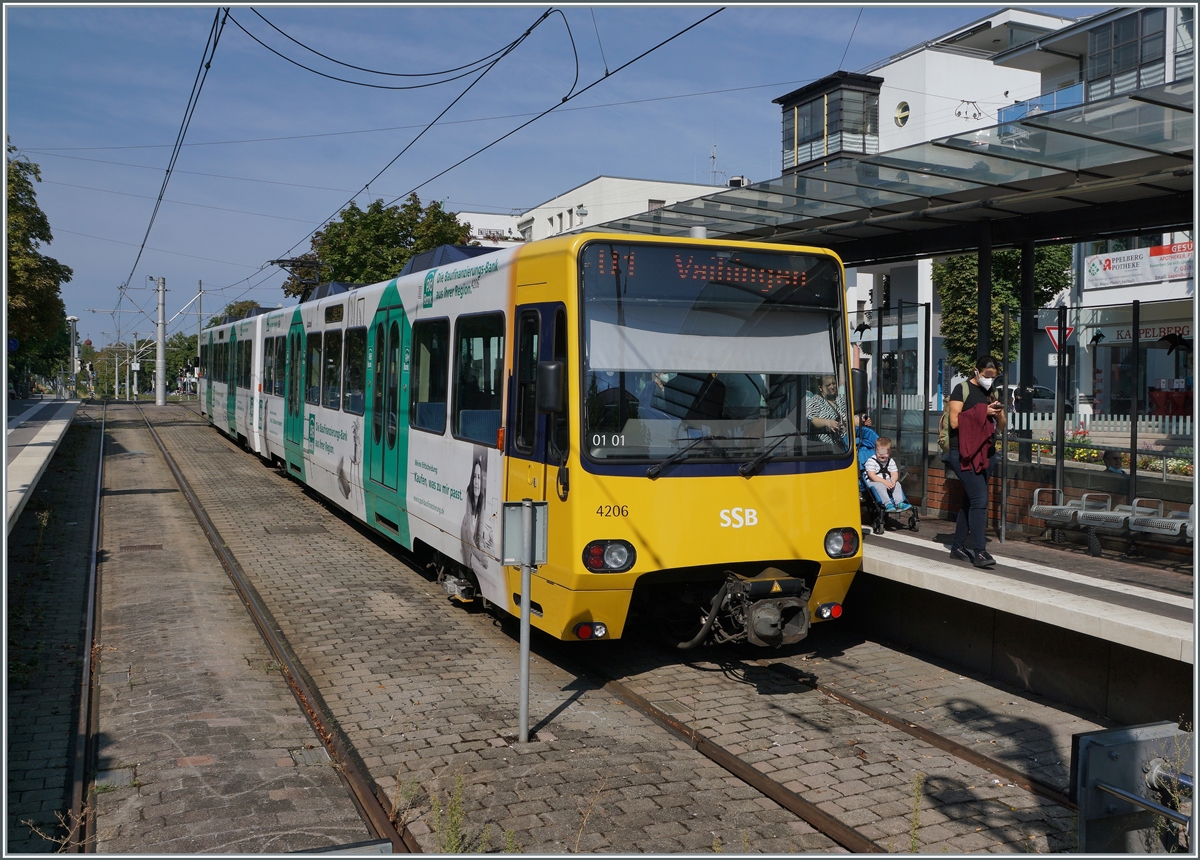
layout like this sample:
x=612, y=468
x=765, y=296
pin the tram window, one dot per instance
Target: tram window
x=430, y=372
x=392, y=380
x=525, y=425
x=312, y=388
x=560, y=435
x=203, y=359
x=355, y=388
x=280, y=365
x=377, y=397
x=478, y=377
x=268, y=365
x=244, y=364
x=333, y=313
x=331, y=395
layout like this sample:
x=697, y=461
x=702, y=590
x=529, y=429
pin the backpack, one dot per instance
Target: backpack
x=944, y=423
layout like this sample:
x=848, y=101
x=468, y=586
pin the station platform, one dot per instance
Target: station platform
x=34, y=430
x=1112, y=634
x=1115, y=601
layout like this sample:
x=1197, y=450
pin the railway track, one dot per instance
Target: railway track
x=838, y=831
x=376, y=810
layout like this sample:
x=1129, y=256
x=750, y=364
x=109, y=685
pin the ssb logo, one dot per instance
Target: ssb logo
x=738, y=518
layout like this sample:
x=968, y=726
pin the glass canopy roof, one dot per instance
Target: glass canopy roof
x=1130, y=147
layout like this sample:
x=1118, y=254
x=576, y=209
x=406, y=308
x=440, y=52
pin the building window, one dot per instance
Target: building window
x=836, y=122
x=902, y=113
x=651, y=205
x=1185, y=59
x=1127, y=54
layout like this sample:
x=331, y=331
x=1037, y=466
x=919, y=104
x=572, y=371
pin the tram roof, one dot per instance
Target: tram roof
x=1115, y=166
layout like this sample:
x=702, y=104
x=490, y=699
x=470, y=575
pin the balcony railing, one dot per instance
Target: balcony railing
x=1071, y=96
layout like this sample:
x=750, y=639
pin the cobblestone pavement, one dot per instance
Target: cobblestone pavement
x=202, y=747
x=427, y=693
x=47, y=583
x=864, y=772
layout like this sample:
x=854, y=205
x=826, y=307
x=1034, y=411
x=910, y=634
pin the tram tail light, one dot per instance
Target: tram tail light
x=609, y=556
x=829, y=610
x=591, y=630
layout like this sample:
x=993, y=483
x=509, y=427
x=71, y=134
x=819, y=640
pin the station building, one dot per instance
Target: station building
x=1122, y=51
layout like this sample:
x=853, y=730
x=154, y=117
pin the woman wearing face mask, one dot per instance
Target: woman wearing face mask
x=974, y=422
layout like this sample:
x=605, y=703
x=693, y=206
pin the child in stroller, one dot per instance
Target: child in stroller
x=879, y=500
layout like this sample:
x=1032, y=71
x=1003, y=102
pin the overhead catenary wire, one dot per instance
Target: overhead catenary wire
x=476, y=63
x=297, y=63
x=553, y=107
x=508, y=50
x=851, y=39
x=598, y=42
x=210, y=49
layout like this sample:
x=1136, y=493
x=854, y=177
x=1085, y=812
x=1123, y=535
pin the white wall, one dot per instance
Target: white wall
x=936, y=83
x=605, y=198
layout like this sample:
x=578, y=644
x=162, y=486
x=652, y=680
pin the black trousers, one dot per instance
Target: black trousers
x=972, y=516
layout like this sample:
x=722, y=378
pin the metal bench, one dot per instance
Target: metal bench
x=1174, y=524
x=1058, y=515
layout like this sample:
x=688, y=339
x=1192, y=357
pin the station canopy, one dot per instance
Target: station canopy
x=1121, y=165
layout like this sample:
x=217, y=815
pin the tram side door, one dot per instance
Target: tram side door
x=293, y=417
x=540, y=335
x=389, y=352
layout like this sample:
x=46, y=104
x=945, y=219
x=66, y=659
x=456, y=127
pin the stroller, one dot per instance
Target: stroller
x=873, y=510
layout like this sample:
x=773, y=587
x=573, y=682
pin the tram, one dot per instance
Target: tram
x=674, y=401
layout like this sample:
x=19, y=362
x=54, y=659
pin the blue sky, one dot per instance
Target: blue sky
x=96, y=95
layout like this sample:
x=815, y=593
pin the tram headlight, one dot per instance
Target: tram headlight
x=840, y=543
x=609, y=556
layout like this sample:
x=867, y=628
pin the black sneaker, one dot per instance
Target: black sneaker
x=983, y=559
x=959, y=553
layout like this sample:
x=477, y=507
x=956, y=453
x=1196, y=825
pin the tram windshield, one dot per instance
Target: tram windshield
x=727, y=353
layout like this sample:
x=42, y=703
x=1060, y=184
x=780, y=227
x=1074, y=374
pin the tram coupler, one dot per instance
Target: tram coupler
x=771, y=606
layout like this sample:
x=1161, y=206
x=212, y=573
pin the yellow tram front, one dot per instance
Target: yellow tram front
x=686, y=413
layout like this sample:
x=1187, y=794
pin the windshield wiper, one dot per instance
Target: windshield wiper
x=656, y=470
x=747, y=470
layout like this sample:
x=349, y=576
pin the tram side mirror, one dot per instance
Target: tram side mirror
x=858, y=389
x=551, y=387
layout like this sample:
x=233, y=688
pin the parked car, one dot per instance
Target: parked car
x=1043, y=399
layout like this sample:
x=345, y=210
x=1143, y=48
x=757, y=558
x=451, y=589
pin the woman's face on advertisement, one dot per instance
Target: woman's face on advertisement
x=477, y=480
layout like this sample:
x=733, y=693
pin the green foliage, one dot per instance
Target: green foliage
x=957, y=282
x=36, y=311
x=180, y=349
x=366, y=247
x=237, y=310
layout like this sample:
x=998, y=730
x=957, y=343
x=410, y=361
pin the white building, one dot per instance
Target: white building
x=492, y=230
x=1116, y=52
x=605, y=198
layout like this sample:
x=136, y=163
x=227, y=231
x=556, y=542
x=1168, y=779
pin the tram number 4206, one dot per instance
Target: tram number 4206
x=612, y=511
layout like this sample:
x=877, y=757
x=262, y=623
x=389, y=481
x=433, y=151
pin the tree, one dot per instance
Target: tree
x=957, y=282
x=181, y=348
x=36, y=313
x=366, y=247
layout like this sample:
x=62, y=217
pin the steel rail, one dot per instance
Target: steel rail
x=930, y=737
x=371, y=807
x=79, y=823
x=841, y=833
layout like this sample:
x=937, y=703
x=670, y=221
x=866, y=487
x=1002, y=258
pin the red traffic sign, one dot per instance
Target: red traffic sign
x=1052, y=331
